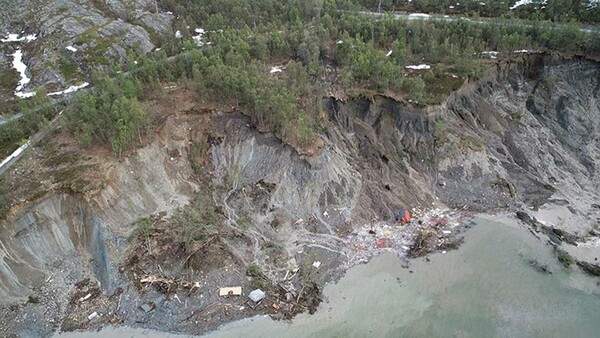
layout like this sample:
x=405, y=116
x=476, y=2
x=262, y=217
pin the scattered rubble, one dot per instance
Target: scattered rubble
x=427, y=231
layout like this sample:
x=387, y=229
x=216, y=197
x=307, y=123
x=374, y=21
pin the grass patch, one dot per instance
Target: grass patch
x=3, y=199
x=234, y=178
x=68, y=68
x=198, y=151
x=258, y=278
x=564, y=257
x=8, y=78
x=244, y=222
x=197, y=221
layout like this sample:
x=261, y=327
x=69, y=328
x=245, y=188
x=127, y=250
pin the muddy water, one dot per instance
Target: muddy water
x=485, y=289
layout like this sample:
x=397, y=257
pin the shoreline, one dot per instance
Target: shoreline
x=391, y=262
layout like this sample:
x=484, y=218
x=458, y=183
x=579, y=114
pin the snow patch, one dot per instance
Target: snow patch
x=16, y=38
x=20, y=67
x=71, y=49
x=492, y=54
x=520, y=3
x=199, y=38
x=71, y=89
x=24, y=95
x=418, y=67
x=419, y=16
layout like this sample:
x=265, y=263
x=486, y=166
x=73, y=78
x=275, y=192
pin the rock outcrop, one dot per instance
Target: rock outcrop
x=97, y=33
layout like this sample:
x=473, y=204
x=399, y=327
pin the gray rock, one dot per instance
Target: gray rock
x=159, y=23
x=147, y=307
x=49, y=76
x=116, y=52
x=95, y=30
x=124, y=8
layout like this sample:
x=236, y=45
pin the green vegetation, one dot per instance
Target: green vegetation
x=258, y=278
x=555, y=10
x=3, y=199
x=37, y=111
x=198, y=150
x=8, y=78
x=145, y=227
x=244, y=222
x=563, y=257
x=320, y=44
x=68, y=68
x=198, y=221
x=111, y=114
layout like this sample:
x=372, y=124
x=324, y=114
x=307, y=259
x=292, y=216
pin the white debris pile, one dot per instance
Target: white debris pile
x=71, y=49
x=373, y=239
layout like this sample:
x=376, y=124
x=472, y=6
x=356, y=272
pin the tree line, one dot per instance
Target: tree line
x=307, y=39
x=585, y=11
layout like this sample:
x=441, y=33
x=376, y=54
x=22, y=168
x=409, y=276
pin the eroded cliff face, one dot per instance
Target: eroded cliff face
x=60, y=234
x=526, y=137
x=537, y=128
x=67, y=236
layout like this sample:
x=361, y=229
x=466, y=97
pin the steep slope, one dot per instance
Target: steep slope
x=524, y=138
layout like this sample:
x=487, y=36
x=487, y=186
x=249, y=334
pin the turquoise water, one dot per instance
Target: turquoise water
x=484, y=289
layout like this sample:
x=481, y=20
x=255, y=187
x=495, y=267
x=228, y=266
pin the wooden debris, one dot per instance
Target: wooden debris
x=230, y=291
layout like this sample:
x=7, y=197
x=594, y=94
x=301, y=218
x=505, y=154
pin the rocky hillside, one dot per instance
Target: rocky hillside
x=525, y=138
x=71, y=38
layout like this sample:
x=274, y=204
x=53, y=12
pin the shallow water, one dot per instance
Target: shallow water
x=484, y=289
